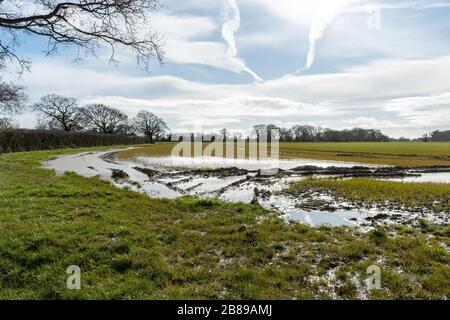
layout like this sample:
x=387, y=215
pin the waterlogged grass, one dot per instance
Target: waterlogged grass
x=370, y=192
x=131, y=246
x=406, y=154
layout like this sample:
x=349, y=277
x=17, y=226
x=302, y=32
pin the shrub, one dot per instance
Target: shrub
x=16, y=140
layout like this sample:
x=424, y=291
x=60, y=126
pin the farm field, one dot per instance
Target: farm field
x=407, y=154
x=130, y=246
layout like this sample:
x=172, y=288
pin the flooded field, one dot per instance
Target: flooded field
x=258, y=182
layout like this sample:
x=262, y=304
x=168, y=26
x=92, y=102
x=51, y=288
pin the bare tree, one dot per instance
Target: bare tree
x=304, y=133
x=150, y=125
x=266, y=130
x=104, y=119
x=127, y=129
x=12, y=97
x=286, y=135
x=224, y=133
x=8, y=123
x=42, y=123
x=86, y=24
x=60, y=112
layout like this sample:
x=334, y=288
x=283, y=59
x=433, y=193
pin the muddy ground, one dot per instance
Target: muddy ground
x=247, y=183
x=310, y=206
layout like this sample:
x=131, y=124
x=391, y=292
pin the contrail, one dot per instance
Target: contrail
x=329, y=9
x=229, y=28
x=326, y=11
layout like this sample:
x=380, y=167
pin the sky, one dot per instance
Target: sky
x=236, y=63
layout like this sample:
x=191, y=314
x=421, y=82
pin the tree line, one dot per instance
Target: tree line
x=58, y=112
x=86, y=25
x=62, y=123
x=308, y=133
x=440, y=136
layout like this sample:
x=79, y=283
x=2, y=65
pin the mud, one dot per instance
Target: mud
x=310, y=207
x=371, y=172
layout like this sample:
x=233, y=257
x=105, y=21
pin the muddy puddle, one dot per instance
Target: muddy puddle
x=261, y=182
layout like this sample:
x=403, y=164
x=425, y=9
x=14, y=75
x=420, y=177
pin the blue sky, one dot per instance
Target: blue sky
x=235, y=63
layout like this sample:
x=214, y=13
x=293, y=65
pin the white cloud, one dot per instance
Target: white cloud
x=316, y=14
x=413, y=94
x=319, y=14
x=229, y=28
x=207, y=113
x=383, y=79
x=370, y=122
x=324, y=14
x=423, y=111
x=188, y=40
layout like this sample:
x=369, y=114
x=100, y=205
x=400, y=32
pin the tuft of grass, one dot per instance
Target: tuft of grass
x=378, y=235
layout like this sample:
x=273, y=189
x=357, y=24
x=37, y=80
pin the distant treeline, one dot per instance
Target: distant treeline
x=440, y=136
x=307, y=133
x=16, y=140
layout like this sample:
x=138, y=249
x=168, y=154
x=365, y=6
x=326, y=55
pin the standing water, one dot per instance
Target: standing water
x=241, y=180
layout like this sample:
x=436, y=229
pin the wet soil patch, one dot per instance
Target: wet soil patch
x=360, y=171
x=119, y=175
x=265, y=187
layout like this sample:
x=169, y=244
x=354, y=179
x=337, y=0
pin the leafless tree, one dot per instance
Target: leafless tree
x=224, y=133
x=305, y=133
x=86, y=24
x=286, y=135
x=103, y=119
x=8, y=123
x=127, y=129
x=42, y=123
x=150, y=125
x=12, y=97
x=270, y=131
x=60, y=112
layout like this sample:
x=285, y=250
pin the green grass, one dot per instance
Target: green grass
x=405, y=154
x=369, y=191
x=131, y=246
x=437, y=149
x=388, y=153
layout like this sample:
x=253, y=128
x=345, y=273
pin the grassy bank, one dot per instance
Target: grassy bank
x=367, y=191
x=387, y=153
x=131, y=246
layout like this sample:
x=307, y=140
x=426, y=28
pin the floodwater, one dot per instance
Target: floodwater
x=436, y=177
x=178, y=176
x=247, y=164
